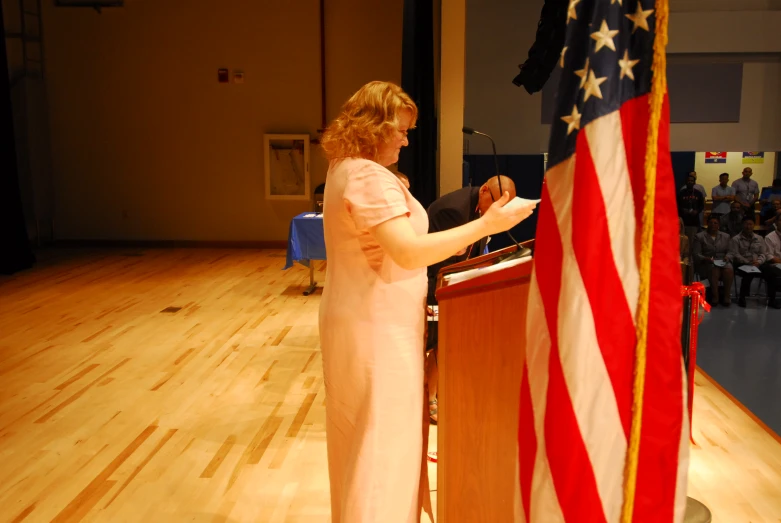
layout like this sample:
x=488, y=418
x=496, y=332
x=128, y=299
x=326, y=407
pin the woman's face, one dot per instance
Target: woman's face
x=388, y=152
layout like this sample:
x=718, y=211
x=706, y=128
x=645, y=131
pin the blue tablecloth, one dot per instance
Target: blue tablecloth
x=305, y=240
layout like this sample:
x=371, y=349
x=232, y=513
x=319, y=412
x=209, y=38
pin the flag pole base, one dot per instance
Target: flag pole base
x=696, y=512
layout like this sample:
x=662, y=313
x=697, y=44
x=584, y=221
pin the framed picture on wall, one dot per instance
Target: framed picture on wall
x=286, y=161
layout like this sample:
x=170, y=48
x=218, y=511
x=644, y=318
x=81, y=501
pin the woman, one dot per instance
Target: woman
x=710, y=256
x=371, y=314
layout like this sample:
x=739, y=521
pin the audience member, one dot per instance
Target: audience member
x=747, y=250
x=732, y=223
x=691, y=202
x=772, y=267
x=746, y=191
x=768, y=195
x=701, y=189
x=711, y=248
x=773, y=215
x=697, y=186
x=722, y=196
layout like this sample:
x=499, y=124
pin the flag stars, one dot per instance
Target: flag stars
x=561, y=60
x=572, y=121
x=604, y=37
x=592, y=86
x=582, y=74
x=626, y=66
x=640, y=18
x=572, y=14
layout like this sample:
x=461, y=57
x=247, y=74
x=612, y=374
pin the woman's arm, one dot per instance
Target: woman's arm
x=410, y=251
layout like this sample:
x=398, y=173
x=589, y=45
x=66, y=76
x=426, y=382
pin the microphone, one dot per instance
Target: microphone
x=522, y=251
x=470, y=131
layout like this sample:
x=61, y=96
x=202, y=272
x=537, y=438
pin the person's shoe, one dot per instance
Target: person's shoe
x=774, y=304
x=727, y=303
x=742, y=302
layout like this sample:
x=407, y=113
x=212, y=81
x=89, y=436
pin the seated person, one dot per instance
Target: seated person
x=746, y=249
x=732, y=223
x=773, y=215
x=452, y=210
x=768, y=195
x=771, y=269
x=691, y=203
x=710, y=256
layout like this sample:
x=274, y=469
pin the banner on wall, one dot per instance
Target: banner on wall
x=716, y=157
x=753, y=157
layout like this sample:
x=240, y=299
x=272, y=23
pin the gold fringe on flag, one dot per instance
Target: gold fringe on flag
x=656, y=101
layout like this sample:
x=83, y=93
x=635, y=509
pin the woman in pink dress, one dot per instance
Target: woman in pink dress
x=372, y=310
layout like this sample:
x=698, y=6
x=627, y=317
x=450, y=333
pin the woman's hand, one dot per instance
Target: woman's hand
x=500, y=218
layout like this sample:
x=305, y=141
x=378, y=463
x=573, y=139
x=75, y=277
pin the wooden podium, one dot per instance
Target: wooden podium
x=482, y=347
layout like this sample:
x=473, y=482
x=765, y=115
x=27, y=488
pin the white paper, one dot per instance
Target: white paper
x=749, y=269
x=432, y=314
x=720, y=263
x=777, y=265
x=458, y=277
x=313, y=215
x=520, y=202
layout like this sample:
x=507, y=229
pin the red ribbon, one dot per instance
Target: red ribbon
x=696, y=291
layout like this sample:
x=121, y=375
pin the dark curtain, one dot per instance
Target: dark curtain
x=418, y=160
x=683, y=164
x=15, y=251
x=526, y=170
x=778, y=165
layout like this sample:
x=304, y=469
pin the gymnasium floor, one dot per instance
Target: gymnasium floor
x=741, y=350
x=186, y=385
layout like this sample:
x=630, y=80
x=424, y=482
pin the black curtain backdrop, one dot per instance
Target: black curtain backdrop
x=15, y=251
x=778, y=165
x=683, y=164
x=418, y=160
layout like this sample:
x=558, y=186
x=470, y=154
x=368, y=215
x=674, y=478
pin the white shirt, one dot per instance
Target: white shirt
x=773, y=245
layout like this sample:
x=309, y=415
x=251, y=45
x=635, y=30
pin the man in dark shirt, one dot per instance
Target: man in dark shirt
x=691, y=202
x=452, y=210
x=732, y=223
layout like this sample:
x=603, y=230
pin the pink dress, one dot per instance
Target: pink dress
x=371, y=334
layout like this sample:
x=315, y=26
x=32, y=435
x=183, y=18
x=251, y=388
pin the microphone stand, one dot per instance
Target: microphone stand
x=521, y=251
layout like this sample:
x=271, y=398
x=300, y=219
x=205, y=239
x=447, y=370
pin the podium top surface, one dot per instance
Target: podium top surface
x=514, y=272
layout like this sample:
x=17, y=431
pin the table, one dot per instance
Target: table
x=306, y=242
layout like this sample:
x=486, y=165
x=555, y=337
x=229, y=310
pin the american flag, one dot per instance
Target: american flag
x=603, y=433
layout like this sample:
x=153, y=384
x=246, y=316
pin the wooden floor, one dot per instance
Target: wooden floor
x=115, y=408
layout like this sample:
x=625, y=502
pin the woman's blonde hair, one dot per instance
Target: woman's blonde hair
x=368, y=119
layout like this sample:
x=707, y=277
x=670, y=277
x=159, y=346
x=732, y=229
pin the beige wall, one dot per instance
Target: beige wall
x=759, y=127
x=146, y=144
x=708, y=173
x=500, y=33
